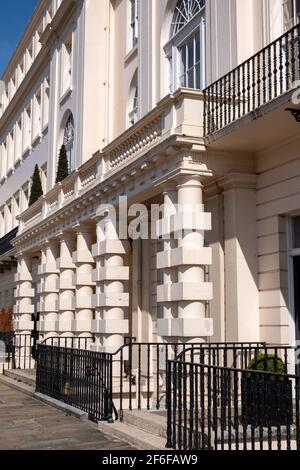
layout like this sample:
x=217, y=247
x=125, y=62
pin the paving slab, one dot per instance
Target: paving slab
x=29, y=424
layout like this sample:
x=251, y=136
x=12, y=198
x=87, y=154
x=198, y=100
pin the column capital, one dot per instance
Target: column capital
x=65, y=236
x=83, y=227
x=23, y=255
x=49, y=243
x=189, y=181
x=169, y=186
x=238, y=180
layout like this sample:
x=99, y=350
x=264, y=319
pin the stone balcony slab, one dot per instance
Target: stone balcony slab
x=47, y=306
x=193, y=220
x=110, y=326
x=19, y=309
x=83, y=280
x=81, y=325
x=47, y=268
x=110, y=247
x=65, y=284
x=202, y=291
x=65, y=263
x=185, y=327
x=184, y=256
x=48, y=325
x=112, y=299
x=63, y=305
x=24, y=292
x=48, y=287
x=22, y=325
x=20, y=277
x=111, y=273
x=84, y=302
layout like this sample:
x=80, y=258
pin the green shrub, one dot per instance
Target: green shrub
x=267, y=363
x=62, y=167
x=36, y=188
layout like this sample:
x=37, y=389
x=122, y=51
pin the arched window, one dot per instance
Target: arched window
x=69, y=135
x=184, y=12
x=186, y=48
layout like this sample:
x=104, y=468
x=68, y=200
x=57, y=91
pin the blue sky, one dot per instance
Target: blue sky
x=14, y=15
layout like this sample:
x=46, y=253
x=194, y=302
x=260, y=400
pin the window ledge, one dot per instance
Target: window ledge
x=66, y=94
x=26, y=151
x=45, y=128
x=18, y=162
x=132, y=54
x=36, y=139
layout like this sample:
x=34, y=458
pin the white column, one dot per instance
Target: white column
x=24, y=308
x=190, y=291
x=66, y=285
x=163, y=259
x=84, y=284
x=112, y=299
x=241, y=264
x=49, y=275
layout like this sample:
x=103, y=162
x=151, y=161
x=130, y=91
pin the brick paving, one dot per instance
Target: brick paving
x=28, y=424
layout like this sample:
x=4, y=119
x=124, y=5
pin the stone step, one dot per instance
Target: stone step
x=23, y=376
x=148, y=421
x=140, y=439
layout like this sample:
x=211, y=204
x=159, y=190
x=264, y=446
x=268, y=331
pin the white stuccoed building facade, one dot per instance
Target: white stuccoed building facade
x=120, y=83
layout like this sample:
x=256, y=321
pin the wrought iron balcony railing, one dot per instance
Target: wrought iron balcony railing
x=5, y=242
x=265, y=76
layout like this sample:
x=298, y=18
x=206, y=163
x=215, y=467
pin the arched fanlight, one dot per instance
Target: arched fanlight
x=185, y=10
x=69, y=135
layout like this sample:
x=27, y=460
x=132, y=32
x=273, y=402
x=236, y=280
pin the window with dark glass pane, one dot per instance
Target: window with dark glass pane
x=296, y=232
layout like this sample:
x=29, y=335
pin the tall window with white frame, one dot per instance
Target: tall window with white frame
x=66, y=62
x=186, y=47
x=134, y=22
x=69, y=136
x=291, y=13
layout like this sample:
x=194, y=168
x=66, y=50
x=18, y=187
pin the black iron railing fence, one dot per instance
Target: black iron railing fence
x=221, y=408
x=79, y=378
x=142, y=367
x=18, y=350
x=265, y=76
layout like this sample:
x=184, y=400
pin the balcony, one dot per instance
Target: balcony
x=175, y=116
x=256, y=93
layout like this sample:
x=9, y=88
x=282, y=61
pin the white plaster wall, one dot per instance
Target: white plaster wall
x=278, y=198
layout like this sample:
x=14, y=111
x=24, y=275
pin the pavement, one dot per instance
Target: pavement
x=28, y=424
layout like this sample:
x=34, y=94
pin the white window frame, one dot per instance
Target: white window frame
x=133, y=114
x=290, y=15
x=292, y=253
x=66, y=65
x=69, y=144
x=174, y=45
x=133, y=23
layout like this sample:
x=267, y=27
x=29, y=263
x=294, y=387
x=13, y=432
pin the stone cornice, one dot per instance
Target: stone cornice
x=83, y=208
x=53, y=29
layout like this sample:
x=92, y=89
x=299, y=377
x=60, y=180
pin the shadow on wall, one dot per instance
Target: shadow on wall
x=6, y=317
